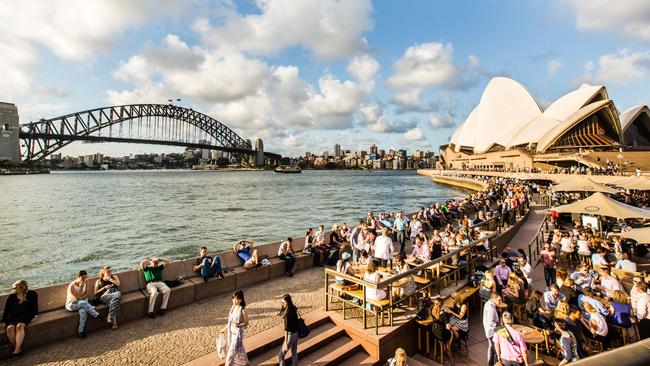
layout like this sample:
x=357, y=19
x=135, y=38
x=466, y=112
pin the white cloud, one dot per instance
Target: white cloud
x=328, y=28
x=79, y=29
x=414, y=134
x=437, y=121
x=18, y=65
x=553, y=66
x=621, y=68
x=631, y=18
x=408, y=100
x=432, y=64
x=373, y=118
x=364, y=68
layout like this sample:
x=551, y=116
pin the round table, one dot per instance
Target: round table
x=531, y=335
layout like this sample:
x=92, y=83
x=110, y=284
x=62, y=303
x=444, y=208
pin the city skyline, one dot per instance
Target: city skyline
x=353, y=73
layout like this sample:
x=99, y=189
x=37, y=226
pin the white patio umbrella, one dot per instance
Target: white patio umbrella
x=641, y=235
x=582, y=184
x=600, y=204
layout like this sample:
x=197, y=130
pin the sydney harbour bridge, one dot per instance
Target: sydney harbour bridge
x=159, y=124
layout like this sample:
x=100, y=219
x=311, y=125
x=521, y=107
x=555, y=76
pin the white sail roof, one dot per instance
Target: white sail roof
x=630, y=115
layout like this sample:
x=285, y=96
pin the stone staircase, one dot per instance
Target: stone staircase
x=327, y=344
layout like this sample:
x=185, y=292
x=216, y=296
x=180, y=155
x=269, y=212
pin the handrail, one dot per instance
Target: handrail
x=543, y=227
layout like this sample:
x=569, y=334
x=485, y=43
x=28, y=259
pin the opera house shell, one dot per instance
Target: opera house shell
x=508, y=118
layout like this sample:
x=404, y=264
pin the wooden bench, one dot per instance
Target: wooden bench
x=380, y=307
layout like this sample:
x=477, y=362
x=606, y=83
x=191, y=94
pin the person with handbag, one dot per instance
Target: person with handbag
x=509, y=344
x=20, y=308
x=107, y=292
x=234, y=330
x=291, y=326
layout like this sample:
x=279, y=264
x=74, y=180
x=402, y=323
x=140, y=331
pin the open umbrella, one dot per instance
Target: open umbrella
x=640, y=183
x=582, y=184
x=600, y=204
x=641, y=235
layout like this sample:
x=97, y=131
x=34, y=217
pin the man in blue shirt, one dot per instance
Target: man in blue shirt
x=247, y=255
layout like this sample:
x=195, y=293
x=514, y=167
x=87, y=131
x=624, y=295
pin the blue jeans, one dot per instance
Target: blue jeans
x=289, y=261
x=549, y=276
x=210, y=269
x=84, y=307
x=291, y=339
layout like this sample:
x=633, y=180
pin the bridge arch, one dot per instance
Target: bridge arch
x=46, y=136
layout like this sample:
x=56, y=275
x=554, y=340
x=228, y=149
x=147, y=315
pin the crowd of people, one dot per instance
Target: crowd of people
x=585, y=305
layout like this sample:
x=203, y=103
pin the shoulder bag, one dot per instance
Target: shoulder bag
x=303, y=330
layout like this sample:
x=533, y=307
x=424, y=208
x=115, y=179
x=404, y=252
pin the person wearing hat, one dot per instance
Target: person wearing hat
x=344, y=266
x=509, y=343
x=152, y=270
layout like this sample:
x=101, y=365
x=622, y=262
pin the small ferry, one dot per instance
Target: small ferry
x=288, y=169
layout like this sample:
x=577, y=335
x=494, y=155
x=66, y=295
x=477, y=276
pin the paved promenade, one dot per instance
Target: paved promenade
x=604, y=179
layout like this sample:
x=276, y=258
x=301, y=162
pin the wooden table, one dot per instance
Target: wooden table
x=531, y=335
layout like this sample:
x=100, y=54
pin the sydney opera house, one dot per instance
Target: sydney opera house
x=509, y=130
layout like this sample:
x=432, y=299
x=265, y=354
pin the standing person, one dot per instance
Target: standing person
x=20, y=308
x=399, y=226
x=415, y=227
x=356, y=240
x=509, y=344
x=642, y=308
x=290, y=314
x=77, y=300
x=383, y=247
x=285, y=252
x=108, y=293
x=152, y=270
x=549, y=259
x=490, y=322
x=207, y=265
x=234, y=329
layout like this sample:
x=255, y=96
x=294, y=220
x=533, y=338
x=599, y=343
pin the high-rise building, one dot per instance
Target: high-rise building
x=373, y=149
x=9, y=129
x=337, y=150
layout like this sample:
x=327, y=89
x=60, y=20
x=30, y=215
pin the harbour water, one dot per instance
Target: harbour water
x=53, y=225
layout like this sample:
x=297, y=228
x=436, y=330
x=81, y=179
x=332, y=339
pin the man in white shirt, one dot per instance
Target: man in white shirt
x=626, y=264
x=415, y=227
x=285, y=252
x=420, y=250
x=383, y=247
x=608, y=282
x=527, y=270
x=642, y=308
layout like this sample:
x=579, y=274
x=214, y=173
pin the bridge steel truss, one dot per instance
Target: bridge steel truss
x=45, y=137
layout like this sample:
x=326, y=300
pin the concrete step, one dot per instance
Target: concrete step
x=360, y=358
x=317, y=338
x=333, y=353
x=264, y=341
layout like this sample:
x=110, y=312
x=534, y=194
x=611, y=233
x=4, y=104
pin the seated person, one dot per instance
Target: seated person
x=596, y=325
x=364, y=258
x=152, y=271
x=20, y=308
x=619, y=310
x=77, y=300
x=537, y=314
x=609, y=283
x=373, y=276
x=598, y=258
x=285, y=252
x=108, y=293
x=335, y=238
x=552, y=297
x=568, y=342
x=587, y=297
x=626, y=264
x=343, y=266
x=513, y=293
x=569, y=291
x=207, y=266
x=420, y=251
x=246, y=253
x=582, y=277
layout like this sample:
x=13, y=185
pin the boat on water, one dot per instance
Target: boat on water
x=288, y=169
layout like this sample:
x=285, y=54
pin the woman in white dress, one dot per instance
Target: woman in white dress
x=237, y=322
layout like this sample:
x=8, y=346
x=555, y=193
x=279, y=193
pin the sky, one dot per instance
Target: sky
x=304, y=75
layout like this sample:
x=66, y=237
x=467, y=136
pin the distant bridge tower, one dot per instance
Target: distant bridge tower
x=9, y=132
x=259, y=148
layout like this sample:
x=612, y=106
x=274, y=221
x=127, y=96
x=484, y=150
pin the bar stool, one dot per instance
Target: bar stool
x=585, y=258
x=519, y=312
x=440, y=345
x=623, y=332
x=635, y=326
x=550, y=360
x=594, y=347
x=424, y=328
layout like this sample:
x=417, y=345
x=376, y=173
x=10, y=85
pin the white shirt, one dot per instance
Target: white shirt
x=626, y=265
x=527, y=270
x=283, y=247
x=642, y=308
x=383, y=247
x=601, y=324
x=583, y=246
x=566, y=245
x=421, y=252
x=416, y=228
x=486, y=242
